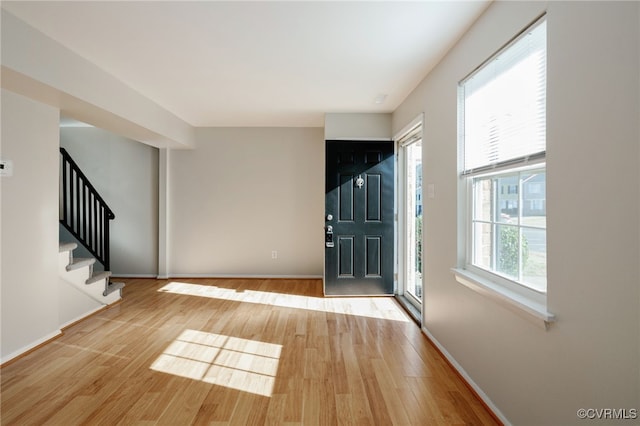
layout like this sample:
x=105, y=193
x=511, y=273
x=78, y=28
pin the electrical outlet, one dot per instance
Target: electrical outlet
x=274, y=254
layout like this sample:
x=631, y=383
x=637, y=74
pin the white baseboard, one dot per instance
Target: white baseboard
x=266, y=277
x=29, y=347
x=467, y=378
x=134, y=276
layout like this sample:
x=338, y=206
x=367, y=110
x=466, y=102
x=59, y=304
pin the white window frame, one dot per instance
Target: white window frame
x=522, y=287
x=516, y=296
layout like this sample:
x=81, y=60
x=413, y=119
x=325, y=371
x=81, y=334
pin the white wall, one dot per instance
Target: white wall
x=125, y=173
x=591, y=357
x=357, y=126
x=29, y=262
x=73, y=303
x=242, y=194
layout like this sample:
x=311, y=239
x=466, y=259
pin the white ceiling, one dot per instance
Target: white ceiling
x=259, y=63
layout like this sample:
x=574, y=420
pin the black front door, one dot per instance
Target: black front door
x=359, y=218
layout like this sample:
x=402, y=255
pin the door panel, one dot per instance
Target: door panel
x=374, y=262
x=359, y=208
x=345, y=256
x=346, y=198
x=374, y=193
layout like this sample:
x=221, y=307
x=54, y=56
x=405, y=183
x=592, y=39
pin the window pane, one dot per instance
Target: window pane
x=483, y=200
x=534, y=258
x=508, y=250
x=482, y=245
x=534, y=199
x=508, y=199
x=413, y=218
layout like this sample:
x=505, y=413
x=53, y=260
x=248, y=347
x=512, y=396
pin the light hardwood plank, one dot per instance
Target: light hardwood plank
x=238, y=352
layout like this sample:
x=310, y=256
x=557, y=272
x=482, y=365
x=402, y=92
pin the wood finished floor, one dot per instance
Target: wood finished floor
x=238, y=352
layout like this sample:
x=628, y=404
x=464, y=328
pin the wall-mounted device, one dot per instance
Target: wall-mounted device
x=6, y=168
x=328, y=237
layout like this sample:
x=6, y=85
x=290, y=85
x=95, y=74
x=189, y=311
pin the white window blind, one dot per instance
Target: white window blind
x=412, y=135
x=504, y=106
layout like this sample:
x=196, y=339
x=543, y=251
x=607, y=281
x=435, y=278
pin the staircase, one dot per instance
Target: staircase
x=86, y=216
x=79, y=273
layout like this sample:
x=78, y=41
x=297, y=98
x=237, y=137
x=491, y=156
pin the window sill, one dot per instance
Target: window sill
x=529, y=309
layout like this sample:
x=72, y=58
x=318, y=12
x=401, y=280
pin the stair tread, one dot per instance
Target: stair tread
x=112, y=287
x=81, y=262
x=97, y=277
x=67, y=247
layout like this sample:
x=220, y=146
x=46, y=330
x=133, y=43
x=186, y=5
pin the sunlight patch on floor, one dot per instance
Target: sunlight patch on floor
x=371, y=307
x=241, y=364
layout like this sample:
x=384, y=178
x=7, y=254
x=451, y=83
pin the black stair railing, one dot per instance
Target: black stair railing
x=83, y=212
